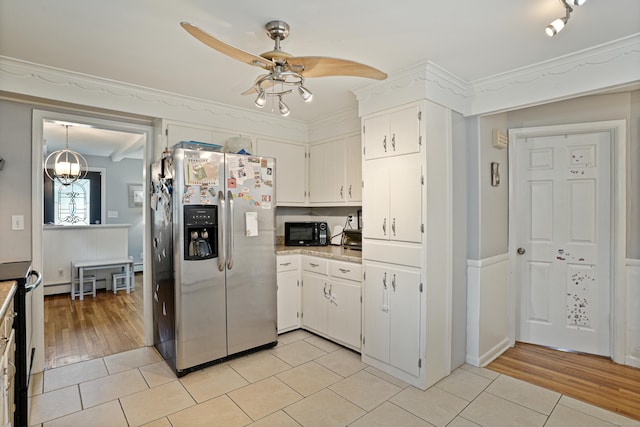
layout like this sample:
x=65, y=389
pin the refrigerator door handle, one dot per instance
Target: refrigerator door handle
x=230, y=230
x=222, y=247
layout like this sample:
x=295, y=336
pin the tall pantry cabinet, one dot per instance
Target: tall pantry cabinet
x=407, y=242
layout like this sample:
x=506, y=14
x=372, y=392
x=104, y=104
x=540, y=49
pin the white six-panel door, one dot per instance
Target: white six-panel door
x=563, y=198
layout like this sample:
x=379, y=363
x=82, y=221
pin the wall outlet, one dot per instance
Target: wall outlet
x=112, y=214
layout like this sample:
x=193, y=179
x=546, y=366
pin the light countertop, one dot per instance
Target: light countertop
x=330, y=252
x=7, y=290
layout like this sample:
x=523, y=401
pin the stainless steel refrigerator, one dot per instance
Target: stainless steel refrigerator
x=214, y=268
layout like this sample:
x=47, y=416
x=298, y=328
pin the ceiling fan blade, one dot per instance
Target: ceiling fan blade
x=265, y=85
x=233, y=52
x=318, y=66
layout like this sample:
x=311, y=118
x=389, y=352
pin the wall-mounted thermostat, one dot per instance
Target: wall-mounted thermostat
x=500, y=139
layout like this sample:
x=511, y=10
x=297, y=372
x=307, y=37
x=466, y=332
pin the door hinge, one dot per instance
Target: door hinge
x=364, y=129
x=419, y=115
x=420, y=287
x=298, y=283
x=363, y=340
x=363, y=183
x=360, y=298
x=166, y=131
x=297, y=315
x=419, y=363
x=422, y=179
x=364, y=275
x=420, y=140
x=422, y=228
x=364, y=150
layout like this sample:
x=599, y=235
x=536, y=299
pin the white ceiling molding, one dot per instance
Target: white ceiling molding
x=598, y=69
x=601, y=68
x=30, y=79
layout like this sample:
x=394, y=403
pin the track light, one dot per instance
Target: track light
x=557, y=25
x=261, y=100
x=305, y=93
x=284, y=110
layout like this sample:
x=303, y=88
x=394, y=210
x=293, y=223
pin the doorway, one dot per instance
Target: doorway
x=567, y=240
x=124, y=167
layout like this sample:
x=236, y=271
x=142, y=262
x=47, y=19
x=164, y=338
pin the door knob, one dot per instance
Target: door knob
x=521, y=251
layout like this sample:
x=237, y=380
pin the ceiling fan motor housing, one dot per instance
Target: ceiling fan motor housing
x=277, y=30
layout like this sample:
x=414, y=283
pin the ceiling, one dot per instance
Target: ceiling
x=141, y=42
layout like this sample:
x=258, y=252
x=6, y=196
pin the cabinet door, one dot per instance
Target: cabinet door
x=405, y=203
x=376, y=137
x=327, y=172
x=376, y=313
x=344, y=312
x=291, y=170
x=404, y=127
x=288, y=301
x=315, y=290
x=353, y=184
x=404, y=312
x=375, y=200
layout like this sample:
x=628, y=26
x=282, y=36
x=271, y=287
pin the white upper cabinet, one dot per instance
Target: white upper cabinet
x=392, y=197
x=335, y=172
x=291, y=170
x=392, y=134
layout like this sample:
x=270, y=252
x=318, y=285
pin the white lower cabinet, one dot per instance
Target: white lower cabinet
x=392, y=316
x=331, y=300
x=288, y=279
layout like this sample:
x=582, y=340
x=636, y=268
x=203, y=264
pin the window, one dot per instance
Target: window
x=75, y=204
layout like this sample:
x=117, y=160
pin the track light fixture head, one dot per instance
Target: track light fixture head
x=557, y=25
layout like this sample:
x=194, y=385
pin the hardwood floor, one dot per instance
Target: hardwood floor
x=592, y=379
x=82, y=330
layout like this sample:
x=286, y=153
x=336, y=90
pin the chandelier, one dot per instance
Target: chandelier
x=65, y=166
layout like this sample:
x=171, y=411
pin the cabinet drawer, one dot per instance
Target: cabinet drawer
x=346, y=270
x=287, y=263
x=315, y=265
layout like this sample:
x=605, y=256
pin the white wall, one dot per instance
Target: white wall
x=15, y=180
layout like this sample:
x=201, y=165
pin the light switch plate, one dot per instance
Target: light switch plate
x=112, y=214
x=17, y=222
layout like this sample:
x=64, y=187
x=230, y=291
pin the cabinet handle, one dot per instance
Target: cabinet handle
x=325, y=291
x=350, y=185
x=384, y=281
x=284, y=264
x=384, y=226
x=341, y=191
x=393, y=142
x=384, y=143
x=314, y=265
x=393, y=226
x=393, y=283
x=344, y=270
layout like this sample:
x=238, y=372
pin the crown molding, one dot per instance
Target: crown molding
x=340, y=123
x=26, y=78
x=596, y=69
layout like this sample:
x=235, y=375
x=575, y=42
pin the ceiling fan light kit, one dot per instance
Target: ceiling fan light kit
x=286, y=73
x=558, y=24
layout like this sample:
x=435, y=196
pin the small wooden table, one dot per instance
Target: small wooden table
x=98, y=264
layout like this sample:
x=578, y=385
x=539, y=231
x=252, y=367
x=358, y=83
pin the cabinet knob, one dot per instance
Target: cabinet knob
x=521, y=251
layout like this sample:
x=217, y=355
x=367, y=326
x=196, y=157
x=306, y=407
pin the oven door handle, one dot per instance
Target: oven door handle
x=36, y=283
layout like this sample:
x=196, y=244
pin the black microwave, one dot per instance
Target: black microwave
x=306, y=234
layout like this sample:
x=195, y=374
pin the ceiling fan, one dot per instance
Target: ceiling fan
x=286, y=73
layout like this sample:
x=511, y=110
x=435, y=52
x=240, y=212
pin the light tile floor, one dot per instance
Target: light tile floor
x=305, y=380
